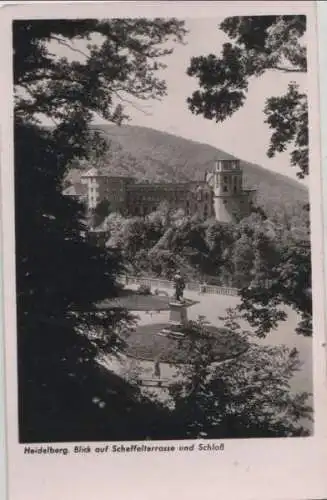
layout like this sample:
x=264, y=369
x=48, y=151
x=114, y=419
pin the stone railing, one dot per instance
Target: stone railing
x=193, y=287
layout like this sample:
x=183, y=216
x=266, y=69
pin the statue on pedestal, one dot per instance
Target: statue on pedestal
x=177, y=311
x=179, y=287
x=157, y=371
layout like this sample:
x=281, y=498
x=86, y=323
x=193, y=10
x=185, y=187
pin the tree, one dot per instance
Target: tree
x=244, y=395
x=281, y=276
x=64, y=394
x=262, y=44
x=242, y=261
x=100, y=212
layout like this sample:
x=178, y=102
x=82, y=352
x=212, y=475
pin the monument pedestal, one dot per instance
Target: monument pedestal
x=177, y=320
x=177, y=313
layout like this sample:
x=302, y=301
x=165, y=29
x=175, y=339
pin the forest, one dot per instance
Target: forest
x=252, y=253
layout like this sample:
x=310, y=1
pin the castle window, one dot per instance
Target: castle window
x=225, y=189
x=235, y=189
x=225, y=202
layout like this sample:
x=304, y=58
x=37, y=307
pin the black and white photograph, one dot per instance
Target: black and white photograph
x=163, y=260
x=167, y=289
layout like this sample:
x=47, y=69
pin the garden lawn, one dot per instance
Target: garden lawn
x=136, y=302
x=145, y=343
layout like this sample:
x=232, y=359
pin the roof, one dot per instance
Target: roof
x=93, y=172
x=76, y=189
x=99, y=229
x=70, y=191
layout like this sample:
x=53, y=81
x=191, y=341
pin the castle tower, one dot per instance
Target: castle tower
x=92, y=179
x=231, y=201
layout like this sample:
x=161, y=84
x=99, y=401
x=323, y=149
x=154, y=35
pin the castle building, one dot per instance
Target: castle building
x=219, y=195
x=231, y=200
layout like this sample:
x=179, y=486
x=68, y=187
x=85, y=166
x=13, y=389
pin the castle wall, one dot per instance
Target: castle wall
x=220, y=195
x=232, y=208
x=101, y=187
x=146, y=198
x=115, y=191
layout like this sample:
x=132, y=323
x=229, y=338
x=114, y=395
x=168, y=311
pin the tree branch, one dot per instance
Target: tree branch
x=31, y=94
x=235, y=356
x=288, y=70
x=132, y=103
x=68, y=45
x=37, y=78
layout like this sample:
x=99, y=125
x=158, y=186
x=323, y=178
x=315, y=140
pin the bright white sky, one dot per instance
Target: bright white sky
x=245, y=134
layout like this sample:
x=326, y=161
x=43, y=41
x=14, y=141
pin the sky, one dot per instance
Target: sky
x=245, y=134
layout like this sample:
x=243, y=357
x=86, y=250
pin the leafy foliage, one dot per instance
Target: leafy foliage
x=261, y=44
x=288, y=117
x=121, y=57
x=64, y=394
x=99, y=213
x=267, y=259
x=282, y=276
x=282, y=268
x=245, y=396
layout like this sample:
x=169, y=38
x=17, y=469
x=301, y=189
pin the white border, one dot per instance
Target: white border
x=322, y=64
x=247, y=469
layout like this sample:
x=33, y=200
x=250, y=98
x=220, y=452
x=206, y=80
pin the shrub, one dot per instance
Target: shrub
x=144, y=289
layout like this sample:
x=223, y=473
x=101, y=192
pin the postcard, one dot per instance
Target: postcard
x=163, y=260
